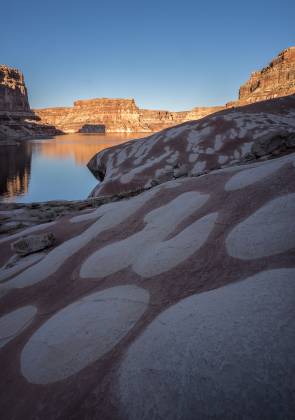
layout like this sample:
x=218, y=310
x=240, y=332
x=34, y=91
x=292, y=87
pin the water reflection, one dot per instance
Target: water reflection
x=15, y=169
x=42, y=170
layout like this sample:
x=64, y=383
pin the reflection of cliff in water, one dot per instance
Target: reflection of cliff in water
x=15, y=164
x=82, y=147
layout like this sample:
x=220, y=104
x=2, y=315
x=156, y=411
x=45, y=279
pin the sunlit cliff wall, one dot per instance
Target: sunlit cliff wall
x=117, y=115
x=273, y=81
x=13, y=92
x=123, y=115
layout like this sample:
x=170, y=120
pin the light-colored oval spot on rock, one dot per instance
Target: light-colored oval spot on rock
x=166, y=255
x=268, y=231
x=109, y=216
x=223, y=354
x=159, y=224
x=81, y=333
x=16, y=264
x=249, y=176
x=15, y=322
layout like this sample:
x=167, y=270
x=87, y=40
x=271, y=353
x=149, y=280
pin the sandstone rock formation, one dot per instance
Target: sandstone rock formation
x=275, y=80
x=123, y=115
x=13, y=92
x=214, y=142
x=17, y=121
x=116, y=115
x=172, y=302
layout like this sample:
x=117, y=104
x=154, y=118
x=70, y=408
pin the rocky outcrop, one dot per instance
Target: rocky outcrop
x=17, y=121
x=273, y=143
x=116, y=116
x=14, y=128
x=275, y=80
x=13, y=93
x=123, y=115
x=164, y=304
x=214, y=142
x=158, y=120
x=32, y=243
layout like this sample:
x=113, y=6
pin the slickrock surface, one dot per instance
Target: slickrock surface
x=277, y=79
x=17, y=121
x=176, y=302
x=197, y=147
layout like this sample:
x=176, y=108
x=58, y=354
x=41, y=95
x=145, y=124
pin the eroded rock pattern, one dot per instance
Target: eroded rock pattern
x=213, y=142
x=177, y=302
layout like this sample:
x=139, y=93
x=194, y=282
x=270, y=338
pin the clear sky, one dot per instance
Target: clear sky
x=166, y=54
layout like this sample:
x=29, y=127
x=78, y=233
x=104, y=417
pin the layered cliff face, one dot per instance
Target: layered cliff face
x=17, y=120
x=277, y=79
x=123, y=115
x=116, y=115
x=13, y=92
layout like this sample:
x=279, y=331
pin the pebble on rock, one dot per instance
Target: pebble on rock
x=33, y=243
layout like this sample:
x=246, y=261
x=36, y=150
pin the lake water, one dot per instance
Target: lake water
x=52, y=169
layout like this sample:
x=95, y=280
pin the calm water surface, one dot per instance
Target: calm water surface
x=53, y=169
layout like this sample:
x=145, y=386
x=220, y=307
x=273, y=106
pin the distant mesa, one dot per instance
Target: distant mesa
x=123, y=115
x=117, y=115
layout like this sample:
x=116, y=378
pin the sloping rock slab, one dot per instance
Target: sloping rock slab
x=197, y=147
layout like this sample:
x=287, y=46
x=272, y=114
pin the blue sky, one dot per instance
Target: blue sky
x=166, y=54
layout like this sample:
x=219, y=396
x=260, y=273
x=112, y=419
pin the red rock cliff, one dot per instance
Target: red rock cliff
x=277, y=79
x=123, y=115
x=17, y=120
x=13, y=92
x=117, y=115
